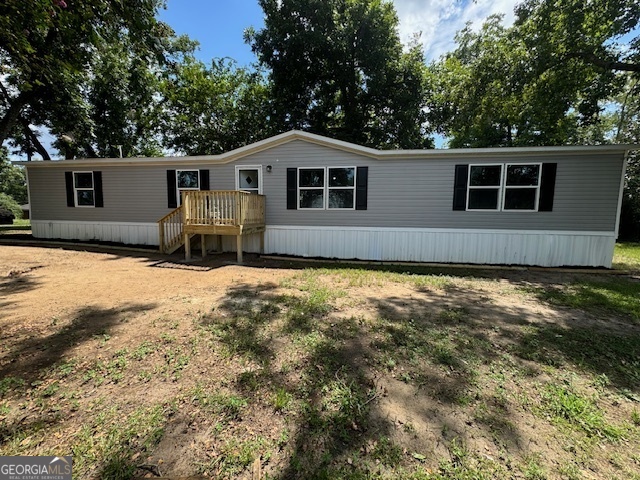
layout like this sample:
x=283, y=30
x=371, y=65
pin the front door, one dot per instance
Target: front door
x=249, y=178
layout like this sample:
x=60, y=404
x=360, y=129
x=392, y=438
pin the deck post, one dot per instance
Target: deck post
x=161, y=236
x=203, y=244
x=239, y=246
x=219, y=243
x=262, y=242
x=187, y=247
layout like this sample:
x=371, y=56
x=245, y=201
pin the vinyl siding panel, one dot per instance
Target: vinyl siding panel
x=413, y=193
x=419, y=192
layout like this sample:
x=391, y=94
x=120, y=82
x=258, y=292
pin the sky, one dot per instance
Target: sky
x=219, y=24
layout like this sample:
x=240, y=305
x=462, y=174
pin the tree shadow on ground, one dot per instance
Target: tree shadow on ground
x=14, y=283
x=329, y=381
x=338, y=379
x=30, y=357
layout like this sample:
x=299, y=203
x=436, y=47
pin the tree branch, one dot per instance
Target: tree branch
x=33, y=138
x=594, y=59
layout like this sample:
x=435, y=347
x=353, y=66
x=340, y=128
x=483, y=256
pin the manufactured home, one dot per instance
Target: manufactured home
x=306, y=195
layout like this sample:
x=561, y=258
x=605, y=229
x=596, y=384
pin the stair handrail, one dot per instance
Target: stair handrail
x=170, y=230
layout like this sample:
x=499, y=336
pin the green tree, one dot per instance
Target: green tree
x=337, y=68
x=46, y=50
x=585, y=44
x=543, y=81
x=599, y=33
x=626, y=120
x=12, y=179
x=210, y=110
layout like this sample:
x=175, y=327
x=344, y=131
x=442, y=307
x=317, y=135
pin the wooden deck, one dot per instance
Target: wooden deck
x=212, y=212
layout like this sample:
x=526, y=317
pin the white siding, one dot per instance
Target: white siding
x=549, y=249
x=498, y=247
x=129, y=233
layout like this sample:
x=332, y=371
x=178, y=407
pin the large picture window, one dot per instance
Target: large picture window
x=518, y=187
x=327, y=188
x=187, y=180
x=83, y=189
x=504, y=187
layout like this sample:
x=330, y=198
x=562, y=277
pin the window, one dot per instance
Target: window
x=522, y=187
x=342, y=186
x=485, y=182
x=187, y=180
x=327, y=188
x=83, y=189
x=311, y=188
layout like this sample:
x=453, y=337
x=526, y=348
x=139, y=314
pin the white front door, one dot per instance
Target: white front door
x=249, y=178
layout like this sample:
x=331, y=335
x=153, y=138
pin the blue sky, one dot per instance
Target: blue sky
x=219, y=25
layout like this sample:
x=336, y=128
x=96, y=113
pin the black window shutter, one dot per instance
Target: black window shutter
x=547, y=187
x=292, y=188
x=172, y=189
x=68, y=177
x=97, y=189
x=204, y=180
x=362, y=182
x=460, y=187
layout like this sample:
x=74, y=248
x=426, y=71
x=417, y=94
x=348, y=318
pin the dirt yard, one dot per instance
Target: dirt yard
x=139, y=365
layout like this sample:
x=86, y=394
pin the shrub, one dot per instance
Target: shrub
x=8, y=203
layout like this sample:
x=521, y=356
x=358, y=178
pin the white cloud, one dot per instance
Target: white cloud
x=439, y=20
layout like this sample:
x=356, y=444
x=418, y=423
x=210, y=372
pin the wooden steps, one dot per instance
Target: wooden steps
x=212, y=212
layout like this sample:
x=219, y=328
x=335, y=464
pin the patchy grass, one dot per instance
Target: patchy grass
x=611, y=358
x=627, y=256
x=613, y=295
x=339, y=373
x=115, y=440
x=562, y=404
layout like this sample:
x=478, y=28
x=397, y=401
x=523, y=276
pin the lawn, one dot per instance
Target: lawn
x=627, y=256
x=331, y=371
x=18, y=224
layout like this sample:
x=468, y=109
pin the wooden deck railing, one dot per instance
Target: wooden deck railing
x=223, y=207
x=171, y=231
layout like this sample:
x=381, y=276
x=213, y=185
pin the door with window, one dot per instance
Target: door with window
x=187, y=180
x=249, y=178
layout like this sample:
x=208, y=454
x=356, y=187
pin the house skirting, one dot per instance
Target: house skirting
x=506, y=247
x=119, y=232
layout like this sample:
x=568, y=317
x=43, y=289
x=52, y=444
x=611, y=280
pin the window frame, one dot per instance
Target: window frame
x=83, y=189
x=323, y=188
x=502, y=188
x=486, y=187
x=353, y=188
x=180, y=190
x=258, y=190
x=326, y=188
x=517, y=187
